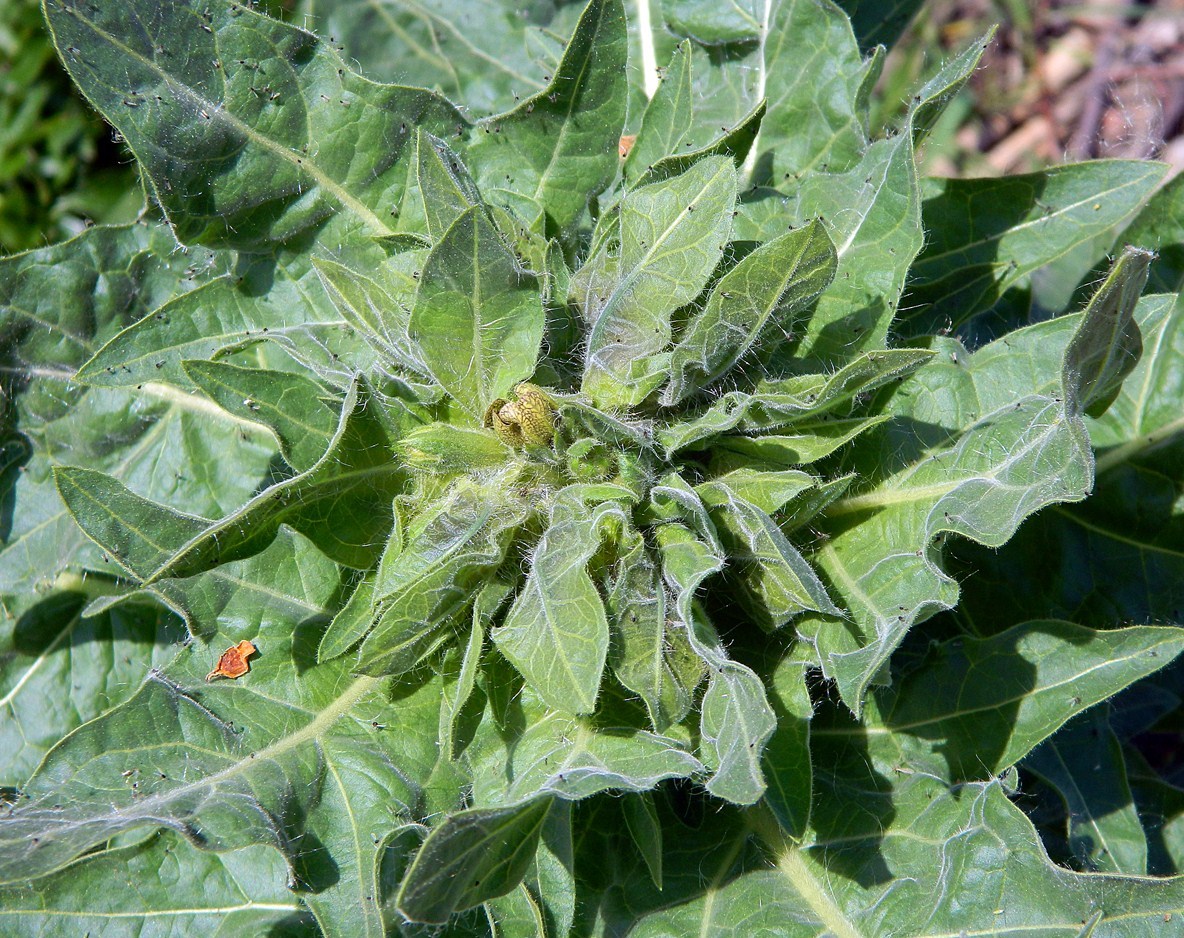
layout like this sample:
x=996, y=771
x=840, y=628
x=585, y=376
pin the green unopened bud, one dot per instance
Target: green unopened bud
x=441, y=447
x=527, y=420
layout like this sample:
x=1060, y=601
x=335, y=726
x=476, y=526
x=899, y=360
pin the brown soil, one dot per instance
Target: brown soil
x=1063, y=81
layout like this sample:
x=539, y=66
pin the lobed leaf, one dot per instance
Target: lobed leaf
x=1010, y=448
x=775, y=404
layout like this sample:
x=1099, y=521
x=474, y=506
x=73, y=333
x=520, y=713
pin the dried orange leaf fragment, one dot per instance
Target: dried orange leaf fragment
x=233, y=662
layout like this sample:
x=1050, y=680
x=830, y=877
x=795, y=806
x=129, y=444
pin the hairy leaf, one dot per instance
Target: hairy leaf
x=671, y=235
x=556, y=633
x=477, y=319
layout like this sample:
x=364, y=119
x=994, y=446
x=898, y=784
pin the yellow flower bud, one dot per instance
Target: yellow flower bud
x=528, y=420
x=536, y=415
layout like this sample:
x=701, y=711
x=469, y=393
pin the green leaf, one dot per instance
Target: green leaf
x=489, y=600
x=245, y=126
x=450, y=551
x=648, y=656
x=268, y=302
x=667, y=117
x=140, y=534
x=151, y=439
x=735, y=143
x=154, y=542
x=194, y=756
x=769, y=491
x=57, y=304
x=736, y=723
x=1158, y=227
x=815, y=115
x=477, y=318
x=980, y=705
x=876, y=224
x=353, y=621
x=572, y=758
x=1083, y=762
x=478, y=54
x=444, y=448
x=641, y=817
x=556, y=632
x=986, y=235
x=788, y=764
x=778, y=583
x=47, y=643
x=766, y=290
x=937, y=837
x=1012, y=442
x=517, y=914
x=1117, y=557
x=735, y=718
x=775, y=404
x=164, y=883
x=341, y=502
x=1107, y=345
x=472, y=856
x=811, y=442
x=368, y=307
x=871, y=204
x=559, y=147
x=672, y=233
x=247, y=596
x=289, y=405
x=445, y=186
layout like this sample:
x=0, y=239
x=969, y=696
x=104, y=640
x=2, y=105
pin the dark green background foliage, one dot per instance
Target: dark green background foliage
x=803, y=622
x=60, y=167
